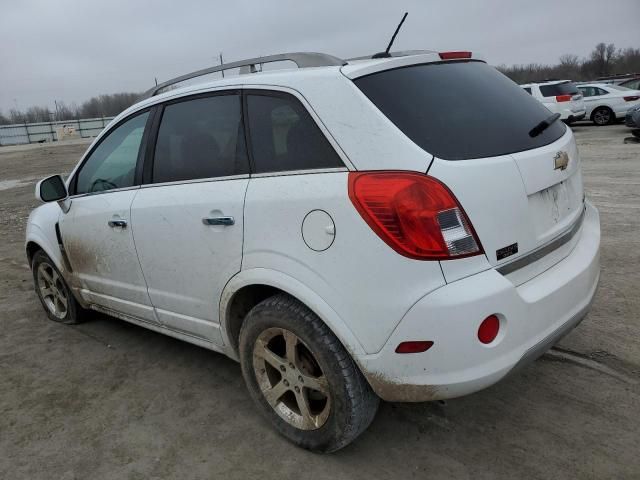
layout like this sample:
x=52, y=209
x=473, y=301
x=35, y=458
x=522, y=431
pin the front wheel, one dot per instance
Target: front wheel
x=602, y=116
x=53, y=292
x=301, y=377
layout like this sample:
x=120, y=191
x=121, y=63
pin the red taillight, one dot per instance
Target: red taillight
x=563, y=98
x=454, y=55
x=488, y=330
x=631, y=98
x=414, y=214
x=414, y=347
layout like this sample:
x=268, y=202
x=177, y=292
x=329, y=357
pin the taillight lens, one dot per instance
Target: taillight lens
x=563, y=98
x=414, y=214
x=631, y=98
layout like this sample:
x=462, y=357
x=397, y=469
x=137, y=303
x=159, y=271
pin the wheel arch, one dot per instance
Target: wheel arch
x=250, y=287
x=37, y=240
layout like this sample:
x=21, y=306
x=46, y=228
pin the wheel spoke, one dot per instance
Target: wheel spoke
x=274, y=393
x=308, y=419
x=46, y=275
x=268, y=356
x=46, y=292
x=291, y=342
x=319, y=384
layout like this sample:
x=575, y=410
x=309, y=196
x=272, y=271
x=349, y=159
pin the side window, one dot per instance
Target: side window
x=200, y=138
x=600, y=91
x=528, y=90
x=113, y=163
x=284, y=137
x=586, y=91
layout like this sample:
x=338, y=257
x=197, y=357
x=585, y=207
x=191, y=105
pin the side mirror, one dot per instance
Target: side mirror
x=51, y=189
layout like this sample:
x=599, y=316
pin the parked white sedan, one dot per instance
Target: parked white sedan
x=605, y=103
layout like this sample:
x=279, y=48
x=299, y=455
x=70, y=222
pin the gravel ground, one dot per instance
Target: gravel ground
x=106, y=399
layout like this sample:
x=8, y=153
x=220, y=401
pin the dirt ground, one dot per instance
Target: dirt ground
x=106, y=399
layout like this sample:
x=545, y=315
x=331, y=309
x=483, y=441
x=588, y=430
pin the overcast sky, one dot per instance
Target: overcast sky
x=70, y=50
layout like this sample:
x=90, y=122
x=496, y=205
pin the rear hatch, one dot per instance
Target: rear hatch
x=521, y=192
x=564, y=93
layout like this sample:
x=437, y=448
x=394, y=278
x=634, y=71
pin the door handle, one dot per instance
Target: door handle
x=225, y=221
x=117, y=223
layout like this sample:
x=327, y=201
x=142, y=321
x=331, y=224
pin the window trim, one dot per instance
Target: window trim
x=73, y=182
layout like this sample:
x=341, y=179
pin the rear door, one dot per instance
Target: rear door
x=520, y=189
x=188, y=217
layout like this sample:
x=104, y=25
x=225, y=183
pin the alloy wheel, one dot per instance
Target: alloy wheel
x=602, y=116
x=291, y=379
x=52, y=290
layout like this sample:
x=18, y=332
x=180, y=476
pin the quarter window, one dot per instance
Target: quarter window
x=284, y=137
x=200, y=138
x=112, y=163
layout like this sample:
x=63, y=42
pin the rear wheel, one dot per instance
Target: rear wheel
x=53, y=292
x=602, y=116
x=301, y=377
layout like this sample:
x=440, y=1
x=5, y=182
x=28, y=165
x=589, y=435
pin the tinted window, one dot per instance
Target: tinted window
x=200, y=138
x=558, y=89
x=284, y=137
x=459, y=110
x=600, y=91
x=527, y=89
x=113, y=163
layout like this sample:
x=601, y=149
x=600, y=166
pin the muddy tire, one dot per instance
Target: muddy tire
x=603, y=116
x=301, y=377
x=53, y=292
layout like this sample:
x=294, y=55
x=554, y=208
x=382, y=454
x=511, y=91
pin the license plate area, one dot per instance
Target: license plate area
x=553, y=208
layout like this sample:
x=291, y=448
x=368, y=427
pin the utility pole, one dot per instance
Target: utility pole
x=57, y=112
x=221, y=64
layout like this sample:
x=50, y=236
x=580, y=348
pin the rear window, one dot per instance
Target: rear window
x=566, y=88
x=459, y=110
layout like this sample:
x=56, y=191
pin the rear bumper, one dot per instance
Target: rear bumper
x=533, y=316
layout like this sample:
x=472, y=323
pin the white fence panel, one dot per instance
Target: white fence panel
x=18, y=134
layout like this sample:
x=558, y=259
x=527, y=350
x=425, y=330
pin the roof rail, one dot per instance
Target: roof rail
x=301, y=59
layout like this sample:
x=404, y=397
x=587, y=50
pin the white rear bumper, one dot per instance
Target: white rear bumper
x=533, y=317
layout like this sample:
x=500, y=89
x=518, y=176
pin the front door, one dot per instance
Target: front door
x=96, y=230
x=188, y=219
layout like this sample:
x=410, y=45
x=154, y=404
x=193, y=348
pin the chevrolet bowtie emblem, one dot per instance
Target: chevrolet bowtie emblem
x=560, y=161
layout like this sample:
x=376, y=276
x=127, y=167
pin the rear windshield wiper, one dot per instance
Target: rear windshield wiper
x=543, y=125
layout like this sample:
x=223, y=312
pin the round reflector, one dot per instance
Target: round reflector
x=488, y=330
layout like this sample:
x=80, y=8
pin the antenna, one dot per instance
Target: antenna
x=386, y=54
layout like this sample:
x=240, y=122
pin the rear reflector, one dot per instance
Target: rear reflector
x=414, y=214
x=563, y=98
x=631, y=98
x=414, y=347
x=488, y=330
x=454, y=55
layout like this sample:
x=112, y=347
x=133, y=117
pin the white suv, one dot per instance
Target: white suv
x=559, y=96
x=409, y=228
